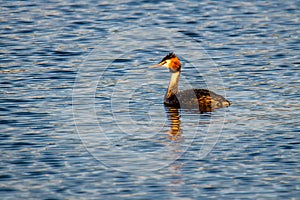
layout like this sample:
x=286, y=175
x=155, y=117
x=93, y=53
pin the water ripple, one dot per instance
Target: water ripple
x=43, y=47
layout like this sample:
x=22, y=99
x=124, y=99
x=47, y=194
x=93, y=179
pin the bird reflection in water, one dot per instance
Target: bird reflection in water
x=174, y=118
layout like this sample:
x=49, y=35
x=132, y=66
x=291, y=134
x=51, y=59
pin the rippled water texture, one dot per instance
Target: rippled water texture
x=82, y=116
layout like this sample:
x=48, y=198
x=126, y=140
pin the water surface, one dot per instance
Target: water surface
x=82, y=117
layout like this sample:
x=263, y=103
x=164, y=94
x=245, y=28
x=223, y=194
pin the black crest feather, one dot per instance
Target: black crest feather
x=169, y=56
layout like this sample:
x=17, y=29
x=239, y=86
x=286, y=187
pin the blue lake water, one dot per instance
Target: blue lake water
x=82, y=117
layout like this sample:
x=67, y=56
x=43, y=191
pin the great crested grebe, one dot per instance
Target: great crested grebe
x=206, y=100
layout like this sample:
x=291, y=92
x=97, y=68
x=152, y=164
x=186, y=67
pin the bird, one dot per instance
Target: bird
x=202, y=99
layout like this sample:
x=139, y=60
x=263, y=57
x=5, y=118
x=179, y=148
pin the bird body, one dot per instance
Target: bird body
x=202, y=99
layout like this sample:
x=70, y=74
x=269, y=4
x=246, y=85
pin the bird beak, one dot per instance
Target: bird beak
x=155, y=66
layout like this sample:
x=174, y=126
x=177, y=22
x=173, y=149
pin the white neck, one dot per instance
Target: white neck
x=173, y=85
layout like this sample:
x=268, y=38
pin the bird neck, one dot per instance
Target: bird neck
x=173, y=85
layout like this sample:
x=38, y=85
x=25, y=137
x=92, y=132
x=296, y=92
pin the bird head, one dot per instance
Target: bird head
x=170, y=61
